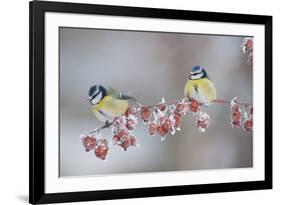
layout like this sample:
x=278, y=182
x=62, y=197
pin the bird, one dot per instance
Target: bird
x=107, y=102
x=199, y=86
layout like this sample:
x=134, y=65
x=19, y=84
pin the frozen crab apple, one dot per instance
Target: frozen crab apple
x=203, y=121
x=248, y=125
x=127, y=141
x=131, y=122
x=194, y=105
x=145, y=114
x=101, y=149
x=236, y=117
x=89, y=142
x=124, y=139
x=153, y=128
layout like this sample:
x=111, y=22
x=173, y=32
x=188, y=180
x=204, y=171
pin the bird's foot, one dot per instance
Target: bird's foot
x=107, y=124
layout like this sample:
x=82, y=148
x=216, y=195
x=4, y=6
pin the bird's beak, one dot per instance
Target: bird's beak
x=189, y=74
x=88, y=99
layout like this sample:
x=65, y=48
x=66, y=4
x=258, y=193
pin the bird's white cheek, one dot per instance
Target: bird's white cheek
x=97, y=99
x=197, y=76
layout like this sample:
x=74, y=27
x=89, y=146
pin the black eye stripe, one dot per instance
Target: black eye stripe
x=96, y=94
x=196, y=73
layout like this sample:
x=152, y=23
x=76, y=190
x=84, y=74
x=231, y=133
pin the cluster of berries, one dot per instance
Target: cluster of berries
x=98, y=146
x=241, y=116
x=165, y=118
x=161, y=119
x=247, y=47
x=123, y=127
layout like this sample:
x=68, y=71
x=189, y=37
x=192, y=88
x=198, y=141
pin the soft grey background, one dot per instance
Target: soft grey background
x=151, y=66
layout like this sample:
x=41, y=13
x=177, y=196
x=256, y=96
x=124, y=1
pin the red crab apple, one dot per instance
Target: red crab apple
x=101, y=149
x=133, y=141
x=131, y=124
x=177, y=119
x=248, y=125
x=153, y=128
x=89, y=142
x=194, y=105
x=116, y=139
x=130, y=111
x=145, y=114
x=117, y=121
x=161, y=107
x=203, y=121
x=127, y=141
x=180, y=108
x=236, y=124
x=236, y=116
x=163, y=129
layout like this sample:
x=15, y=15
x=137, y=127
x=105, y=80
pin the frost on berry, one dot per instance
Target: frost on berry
x=248, y=120
x=89, y=142
x=152, y=128
x=130, y=111
x=101, y=149
x=115, y=139
x=167, y=118
x=203, y=121
x=235, y=113
x=124, y=139
x=247, y=47
x=163, y=130
x=194, y=105
x=181, y=108
x=145, y=114
x=119, y=123
x=164, y=126
x=161, y=106
x=250, y=58
x=248, y=125
x=127, y=141
x=177, y=120
x=236, y=117
x=131, y=122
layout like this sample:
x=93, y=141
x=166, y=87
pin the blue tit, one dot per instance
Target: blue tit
x=199, y=86
x=107, y=103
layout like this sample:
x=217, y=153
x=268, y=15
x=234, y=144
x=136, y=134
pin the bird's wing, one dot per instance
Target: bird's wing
x=189, y=89
x=112, y=106
x=210, y=90
x=115, y=94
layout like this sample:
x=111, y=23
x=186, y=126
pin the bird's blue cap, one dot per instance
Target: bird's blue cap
x=95, y=89
x=196, y=68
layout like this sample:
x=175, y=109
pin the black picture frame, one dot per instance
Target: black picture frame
x=37, y=194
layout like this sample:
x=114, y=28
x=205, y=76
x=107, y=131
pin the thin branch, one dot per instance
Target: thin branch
x=106, y=125
x=228, y=102
x=164, y=103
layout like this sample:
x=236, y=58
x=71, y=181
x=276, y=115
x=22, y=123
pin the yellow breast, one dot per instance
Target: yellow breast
x=202, y=90
x=109, y=107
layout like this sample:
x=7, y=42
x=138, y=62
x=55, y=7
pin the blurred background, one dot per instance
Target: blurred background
x=149, y=66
